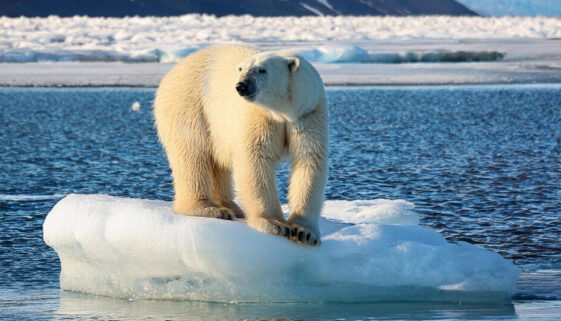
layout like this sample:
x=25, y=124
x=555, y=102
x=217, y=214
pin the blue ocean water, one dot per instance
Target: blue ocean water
x=481, y=164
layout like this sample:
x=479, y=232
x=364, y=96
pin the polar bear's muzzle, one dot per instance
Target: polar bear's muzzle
x=246, y=88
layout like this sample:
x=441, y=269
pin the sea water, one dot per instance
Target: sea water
x=480, y=163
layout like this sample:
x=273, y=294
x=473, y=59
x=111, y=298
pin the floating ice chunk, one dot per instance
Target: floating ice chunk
x=134, y=248
x=336, y=54
x=354, y=54
x=28, y=197
x=135, y=106
x=172, y=56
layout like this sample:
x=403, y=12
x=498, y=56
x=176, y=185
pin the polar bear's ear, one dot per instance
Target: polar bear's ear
x=293, y=64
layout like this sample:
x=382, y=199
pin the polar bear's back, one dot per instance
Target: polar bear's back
x=189, y=77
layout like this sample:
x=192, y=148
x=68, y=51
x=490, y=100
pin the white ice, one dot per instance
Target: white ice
x=372, y=250
x=168, y=39
x=345, y=50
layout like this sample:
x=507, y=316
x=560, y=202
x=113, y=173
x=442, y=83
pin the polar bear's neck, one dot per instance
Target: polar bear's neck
x=282, y=117
x=282, y=112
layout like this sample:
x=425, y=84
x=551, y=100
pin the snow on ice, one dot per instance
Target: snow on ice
x=372, y=250
x=168, y=39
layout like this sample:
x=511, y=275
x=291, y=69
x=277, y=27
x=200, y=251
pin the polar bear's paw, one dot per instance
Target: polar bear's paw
x=270, y=226
x=205, y=210
x=234, y=208
x=302, y=232
x=304, y=235
x=292, y=231
x=222, y=213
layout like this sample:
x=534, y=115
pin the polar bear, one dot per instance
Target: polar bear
x=233, y=113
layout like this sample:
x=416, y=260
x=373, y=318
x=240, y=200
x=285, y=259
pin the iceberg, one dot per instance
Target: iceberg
x=372, y=250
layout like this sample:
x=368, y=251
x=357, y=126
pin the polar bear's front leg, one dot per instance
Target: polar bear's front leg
x=305, y=198
x=256, y=186
x=308, y=152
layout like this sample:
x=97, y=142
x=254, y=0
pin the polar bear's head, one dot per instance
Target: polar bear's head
x=280, y=82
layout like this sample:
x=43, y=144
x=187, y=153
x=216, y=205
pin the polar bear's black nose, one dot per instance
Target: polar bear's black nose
x=246, y=88
x=242, y=88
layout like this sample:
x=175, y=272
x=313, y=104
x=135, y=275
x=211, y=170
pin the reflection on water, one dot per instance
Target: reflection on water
x=87, y=306
x=84, y=306
x=54, y=304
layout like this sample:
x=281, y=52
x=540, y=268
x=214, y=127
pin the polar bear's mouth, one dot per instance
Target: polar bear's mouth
x=251, y=97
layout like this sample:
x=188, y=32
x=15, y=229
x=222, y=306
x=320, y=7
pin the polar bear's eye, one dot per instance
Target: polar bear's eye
x=239, y=68
x=262, y=70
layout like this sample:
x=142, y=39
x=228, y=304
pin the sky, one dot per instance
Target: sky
x=515, y=7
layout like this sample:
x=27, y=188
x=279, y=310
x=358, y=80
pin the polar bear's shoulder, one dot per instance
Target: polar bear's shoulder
x=224, y=52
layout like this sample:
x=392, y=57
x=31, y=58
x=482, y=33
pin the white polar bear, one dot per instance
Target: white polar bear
x=232, y=111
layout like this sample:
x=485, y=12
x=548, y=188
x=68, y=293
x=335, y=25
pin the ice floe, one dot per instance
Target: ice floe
x=372, y=250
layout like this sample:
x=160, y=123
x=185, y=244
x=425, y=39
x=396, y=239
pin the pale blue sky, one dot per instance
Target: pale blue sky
x=514, y=7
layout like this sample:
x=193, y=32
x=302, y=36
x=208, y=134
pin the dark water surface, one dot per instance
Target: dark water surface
x=482, y=164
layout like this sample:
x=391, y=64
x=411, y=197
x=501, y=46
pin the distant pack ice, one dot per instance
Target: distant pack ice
x=169, y=39
x=372, y=250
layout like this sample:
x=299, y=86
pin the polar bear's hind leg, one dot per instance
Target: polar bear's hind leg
x=222, y=190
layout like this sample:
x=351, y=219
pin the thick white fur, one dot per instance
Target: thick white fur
x=211, y=134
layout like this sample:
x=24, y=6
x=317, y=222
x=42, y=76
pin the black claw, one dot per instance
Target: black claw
x=308, y=236
x=300, y=235
x=293, y=232
x=315, y=242
x=286, y=232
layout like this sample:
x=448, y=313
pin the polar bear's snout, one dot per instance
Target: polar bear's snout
x=246, y=88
